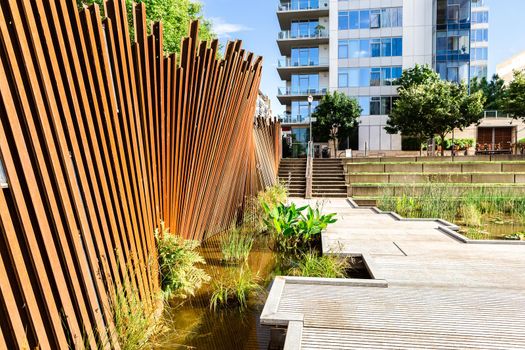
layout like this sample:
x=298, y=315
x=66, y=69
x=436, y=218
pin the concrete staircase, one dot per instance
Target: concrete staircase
x=292, y=171
x=371, y=179
x=328, y=179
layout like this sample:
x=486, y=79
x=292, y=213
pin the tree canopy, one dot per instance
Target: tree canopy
x=337, y=116
x=515, y=98
x=175, y=15
x=428, y=106
x=494, y=91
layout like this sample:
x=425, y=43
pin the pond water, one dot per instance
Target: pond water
x=193, y=325
x=493, y=227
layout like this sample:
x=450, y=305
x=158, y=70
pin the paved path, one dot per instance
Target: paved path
x=432, y=289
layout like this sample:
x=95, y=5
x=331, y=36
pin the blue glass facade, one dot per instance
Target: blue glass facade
x=453, y=28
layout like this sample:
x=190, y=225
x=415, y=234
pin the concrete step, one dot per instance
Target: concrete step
x=412, y=178
x=436, y=167
x=398, y=190
x=329, y=195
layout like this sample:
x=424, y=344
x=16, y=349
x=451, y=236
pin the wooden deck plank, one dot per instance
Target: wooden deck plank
x=442, y=293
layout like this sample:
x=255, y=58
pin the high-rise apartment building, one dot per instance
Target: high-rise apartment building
x=360, y=47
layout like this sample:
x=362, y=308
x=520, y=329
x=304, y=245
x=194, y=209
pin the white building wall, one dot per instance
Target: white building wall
x=417, y=33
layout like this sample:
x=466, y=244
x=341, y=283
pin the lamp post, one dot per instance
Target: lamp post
x=310, y=100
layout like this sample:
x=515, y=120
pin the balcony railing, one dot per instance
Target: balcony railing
x=302, y=5
x=289, y=63
x=300, y=92
x=316, y=34
x=294, y=119
x=496, y=114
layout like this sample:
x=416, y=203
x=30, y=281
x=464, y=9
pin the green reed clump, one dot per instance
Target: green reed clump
x=234, y=289
x=452, y=203
x=136, y=322
x=254, y=212
x=236, y=245
x=326, y=266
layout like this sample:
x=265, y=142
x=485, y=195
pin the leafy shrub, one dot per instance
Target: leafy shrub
x=326, y=266
x=178, y=260
x=234, y=289
x=236, y=245
x=294, y=231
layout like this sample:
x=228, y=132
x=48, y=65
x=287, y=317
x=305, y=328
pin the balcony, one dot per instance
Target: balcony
x=288, y=119
x=288, y=11
x=286, y=67
x=288, y=39
x=285, y=95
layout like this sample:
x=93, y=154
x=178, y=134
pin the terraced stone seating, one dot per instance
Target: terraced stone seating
x=369, y=180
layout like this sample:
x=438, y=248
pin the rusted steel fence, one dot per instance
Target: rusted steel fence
x=101, y=139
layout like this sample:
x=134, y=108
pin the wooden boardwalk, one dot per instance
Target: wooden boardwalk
x=432, y=289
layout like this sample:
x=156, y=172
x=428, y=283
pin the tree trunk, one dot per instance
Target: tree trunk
x=442, y=145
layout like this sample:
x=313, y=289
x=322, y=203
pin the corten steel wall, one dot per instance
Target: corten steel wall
x=101, y=139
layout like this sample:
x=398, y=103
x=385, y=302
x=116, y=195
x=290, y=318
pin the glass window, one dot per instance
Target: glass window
x=375, y=76
x=364, y=103
x=354, y=48
x=385, y=17
x=364, y=48
x=453, y=13
x=452, y=74
x=300, y=110
x=375, y=105
x=305, y=83
x=301, y=134
x=354, y=20
x=386, y=47
x=397, y=47
x=397, y=72
x=375, y=19
x=364, y=19
x=364, y=77
x=343, y=49
x=386, y=106
x=343, y=20
x=386, y=76
x=396, y=17
x=343, y=78
x=441, y=42
x=375, y=47
x=353, y=77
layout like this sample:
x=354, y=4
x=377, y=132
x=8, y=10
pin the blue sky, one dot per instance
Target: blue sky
x=255, y=22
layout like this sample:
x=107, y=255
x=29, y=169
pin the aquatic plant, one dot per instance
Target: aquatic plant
x=470, y=214
x=293, y=230
x=326, y=266
x=519, y=236
x=254, y=212
x=236, y=245
x=436, y=200
x=178, y=261
x=136, y=321
x=234, y=289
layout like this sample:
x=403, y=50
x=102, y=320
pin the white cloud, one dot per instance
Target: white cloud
x=224, y=29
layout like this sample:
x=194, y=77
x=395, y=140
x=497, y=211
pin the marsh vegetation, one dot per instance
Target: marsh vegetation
x=482, y=213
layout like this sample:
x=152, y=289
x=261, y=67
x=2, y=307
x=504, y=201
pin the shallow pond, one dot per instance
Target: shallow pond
x=193, y=325
x=493, y=228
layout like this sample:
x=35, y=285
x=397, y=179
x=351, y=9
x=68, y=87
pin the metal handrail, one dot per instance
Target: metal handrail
x=309, y=170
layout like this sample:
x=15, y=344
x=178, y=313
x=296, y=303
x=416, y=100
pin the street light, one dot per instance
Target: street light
x=310, y=100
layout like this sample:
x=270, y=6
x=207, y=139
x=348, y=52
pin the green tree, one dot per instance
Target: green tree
x=417, y=75
x=515, y=100
x=428, y=106
x=337, y=116
x=494, y=91
x=175, y=15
